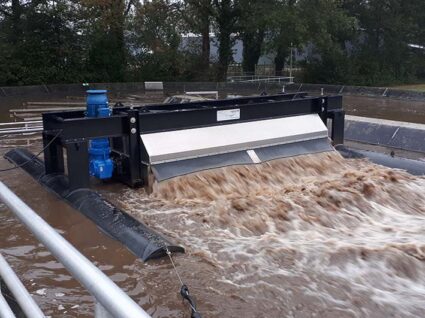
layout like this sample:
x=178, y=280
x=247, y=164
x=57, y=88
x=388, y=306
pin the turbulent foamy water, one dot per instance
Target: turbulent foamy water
x=316, y=235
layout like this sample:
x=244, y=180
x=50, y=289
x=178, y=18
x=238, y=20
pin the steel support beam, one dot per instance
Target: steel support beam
x=53, y=154
x=78, y=164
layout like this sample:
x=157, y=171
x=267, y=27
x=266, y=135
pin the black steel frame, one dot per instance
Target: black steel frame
x=126, y=124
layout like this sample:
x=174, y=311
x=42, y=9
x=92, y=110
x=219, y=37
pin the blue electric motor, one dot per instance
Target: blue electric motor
x=101, y=165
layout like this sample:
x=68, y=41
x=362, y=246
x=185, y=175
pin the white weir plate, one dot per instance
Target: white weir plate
x=198, y=142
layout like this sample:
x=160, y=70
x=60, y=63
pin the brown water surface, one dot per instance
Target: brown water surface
x=58, y=294
x=412, y=111
x=315, y=236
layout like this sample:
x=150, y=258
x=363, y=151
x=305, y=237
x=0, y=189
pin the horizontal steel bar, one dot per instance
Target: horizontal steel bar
x=41, y=110
x=20, y=131
x=150, y=122
x=21, y=128
x=5, y=311
x=22, y=296
x=267, y=80
x=111, y=297
x=21, y=123
x=82, y=103
x=75, y=125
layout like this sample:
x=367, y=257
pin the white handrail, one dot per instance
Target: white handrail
x=260, y=78
x=5, y=311
x=23, y=298
x=14, y=131
x=109, y=295
x=21, y=123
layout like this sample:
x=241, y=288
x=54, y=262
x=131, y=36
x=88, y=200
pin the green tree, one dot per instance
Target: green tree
x=197, y=15
x=156, y=39
x=252, y=25
x=386, y=28
x=225, y=14
x=40, y=42
x=329, y=29
x=287, y=30
x=105, y=27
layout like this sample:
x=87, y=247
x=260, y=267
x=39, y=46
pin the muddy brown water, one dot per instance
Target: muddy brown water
x=317, y=236
x=412, y=111
x=58, y=294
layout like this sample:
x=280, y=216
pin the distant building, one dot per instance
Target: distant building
x=193, y=42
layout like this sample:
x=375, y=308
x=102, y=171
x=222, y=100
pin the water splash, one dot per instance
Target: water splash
x=316, y=234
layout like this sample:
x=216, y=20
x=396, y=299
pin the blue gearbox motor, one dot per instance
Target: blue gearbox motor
x=101, y=165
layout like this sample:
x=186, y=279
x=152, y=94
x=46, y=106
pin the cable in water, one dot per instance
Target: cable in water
x=184, y=291
x=33, y=157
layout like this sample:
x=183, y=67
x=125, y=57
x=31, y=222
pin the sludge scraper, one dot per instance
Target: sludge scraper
x=176, y=139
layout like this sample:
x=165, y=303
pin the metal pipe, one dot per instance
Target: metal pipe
x=21, y=131
x=17, y=123
x=115, y=301
x=20, y=128
x=101, y=312
x=5, y=311
x=22, y=296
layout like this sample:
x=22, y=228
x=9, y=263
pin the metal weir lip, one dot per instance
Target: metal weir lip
x=164, y=171
x=191, y=143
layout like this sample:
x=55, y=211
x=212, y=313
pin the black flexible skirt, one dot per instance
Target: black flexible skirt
x=137, y=237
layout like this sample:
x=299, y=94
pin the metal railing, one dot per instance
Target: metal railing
x=111, y=301
x=22, y=296
x=200, y=93
x=261, y=79
x=21, y=127
x=5, y=311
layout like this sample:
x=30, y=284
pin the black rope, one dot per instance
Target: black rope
x=184, y=291
x=33, y=157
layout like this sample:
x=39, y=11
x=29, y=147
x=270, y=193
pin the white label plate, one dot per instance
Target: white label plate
x=230, y=114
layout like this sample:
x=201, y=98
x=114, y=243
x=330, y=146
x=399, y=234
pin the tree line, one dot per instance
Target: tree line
x=364, y=42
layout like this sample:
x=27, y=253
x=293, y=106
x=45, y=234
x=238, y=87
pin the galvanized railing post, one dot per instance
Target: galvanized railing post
x=5, y=311
x=101, y=312
x=112, y=298
x=22, y=297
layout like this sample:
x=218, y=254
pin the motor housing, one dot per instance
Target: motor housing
x=101, y=166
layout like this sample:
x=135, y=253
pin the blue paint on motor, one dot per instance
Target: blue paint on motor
x=96, y=100
x=101, y=165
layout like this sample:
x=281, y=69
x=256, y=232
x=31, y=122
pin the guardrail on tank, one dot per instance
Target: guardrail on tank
x=22, y=296
x=261, y=78
x=25, y=127
x=266, y=83
x=382, y=92
x=111, y=301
